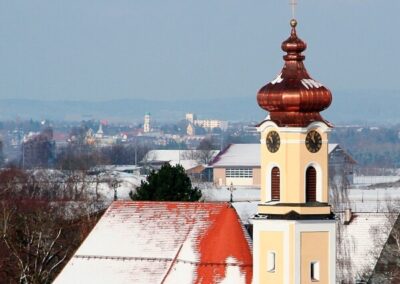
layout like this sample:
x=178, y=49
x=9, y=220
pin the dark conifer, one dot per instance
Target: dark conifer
x=170, y=183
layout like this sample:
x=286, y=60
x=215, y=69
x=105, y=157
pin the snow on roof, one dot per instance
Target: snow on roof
x=247, y=155
x=186, y=164
x=246, y=210
x=119, y=168
x=174, y=242
x=334, y=147
x=331, y=147
x=163, y=155
x=238, y=155
x=186, y=158
x=362, y=241
x=173, y=155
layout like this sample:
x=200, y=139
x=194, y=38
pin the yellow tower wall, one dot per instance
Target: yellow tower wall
x=313, y=247
x=293, y=159
x=272, y=242
x=296, y=244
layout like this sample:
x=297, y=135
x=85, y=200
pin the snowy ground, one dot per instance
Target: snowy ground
x=368, y=180
x=239, y=194
x=361, y=200
x=127, y=182
x=245, y=199
x=374, y=200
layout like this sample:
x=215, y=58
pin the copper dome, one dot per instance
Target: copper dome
x=294, y=98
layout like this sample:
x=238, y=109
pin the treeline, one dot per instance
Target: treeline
x=370, y=146
x=84, y=157
x=40, y=151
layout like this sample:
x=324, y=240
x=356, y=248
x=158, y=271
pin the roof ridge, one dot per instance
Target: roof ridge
x=171, y=202
x=198, y=263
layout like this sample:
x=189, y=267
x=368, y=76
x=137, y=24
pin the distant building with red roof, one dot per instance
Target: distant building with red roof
x=164, y=242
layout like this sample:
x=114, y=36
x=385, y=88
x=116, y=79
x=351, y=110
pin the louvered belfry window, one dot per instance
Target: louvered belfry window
x=311, y=185
x=275, y=184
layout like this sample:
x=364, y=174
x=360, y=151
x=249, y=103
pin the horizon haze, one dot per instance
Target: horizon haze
x=162, y=50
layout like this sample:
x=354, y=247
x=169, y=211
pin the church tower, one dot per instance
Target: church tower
x=146, y=124
x=294, y=230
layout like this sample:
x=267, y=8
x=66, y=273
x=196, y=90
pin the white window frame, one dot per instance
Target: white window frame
x=271, y=261
x=315, y=274
x=239, y=173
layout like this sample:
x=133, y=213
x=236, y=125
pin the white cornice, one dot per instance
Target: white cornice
x=314, y=125
x=293, y=141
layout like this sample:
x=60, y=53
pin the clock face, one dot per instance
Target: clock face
x=273, y=141
x=313, y=141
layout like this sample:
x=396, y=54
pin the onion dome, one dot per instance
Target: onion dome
x=293, y=98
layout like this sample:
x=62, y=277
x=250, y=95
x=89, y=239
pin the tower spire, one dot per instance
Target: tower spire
x=294, y=230
x=294, y=98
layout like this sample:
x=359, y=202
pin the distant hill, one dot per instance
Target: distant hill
x=237, y=109
x=365, y=107
x=347, y=107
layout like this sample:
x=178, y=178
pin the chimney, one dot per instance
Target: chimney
x=347, y=216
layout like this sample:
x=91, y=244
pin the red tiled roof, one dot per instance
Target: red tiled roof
x=164, y=242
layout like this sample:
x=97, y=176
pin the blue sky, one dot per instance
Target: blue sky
x=171, y=49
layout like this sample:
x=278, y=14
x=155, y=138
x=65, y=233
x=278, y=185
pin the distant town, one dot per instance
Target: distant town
x=40, y=143
x=201, y=142
x=32, y=143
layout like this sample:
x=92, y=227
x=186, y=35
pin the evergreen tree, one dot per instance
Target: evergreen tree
x=170, y=183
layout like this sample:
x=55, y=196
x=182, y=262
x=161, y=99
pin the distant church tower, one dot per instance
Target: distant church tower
x=294, y=230
x=146, y=125
x=100, y=132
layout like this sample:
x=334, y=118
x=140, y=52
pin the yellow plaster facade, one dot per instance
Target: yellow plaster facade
x=293, y=159
x=296, y=245
x=272, y=242
x=313, y=248
x=303, y=245
x=281, y=210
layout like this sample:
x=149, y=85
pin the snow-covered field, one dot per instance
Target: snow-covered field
x=368, y=180
x=223, y=194
x=361, y=197
x=127, y=182
x=374, y=200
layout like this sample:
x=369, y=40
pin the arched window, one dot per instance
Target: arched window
x=275, y=184
x=311, y=185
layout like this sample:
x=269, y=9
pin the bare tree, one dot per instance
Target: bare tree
x=34, y=245
x=38, y=151
x=387, y=269
x=39, y=231
x=339, y=199
x=385, y=252
x=206, y=151
x=338, y=189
